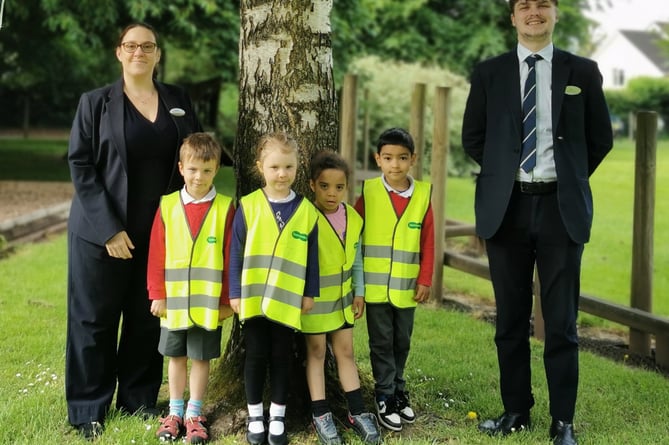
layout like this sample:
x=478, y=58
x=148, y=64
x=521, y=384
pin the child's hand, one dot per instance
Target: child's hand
x=234, y=304
x=307, y=304
x=358, y=307
x=224, y=312
x=159, y=307
x=422, y=293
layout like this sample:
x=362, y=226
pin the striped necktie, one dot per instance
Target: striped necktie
x=528, y=157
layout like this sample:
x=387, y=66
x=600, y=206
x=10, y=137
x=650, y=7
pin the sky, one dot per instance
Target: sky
x=632, y=14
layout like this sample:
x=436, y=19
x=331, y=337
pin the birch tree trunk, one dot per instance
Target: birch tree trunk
x=285, y=84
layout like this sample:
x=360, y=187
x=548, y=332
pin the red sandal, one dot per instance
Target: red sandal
x=170, y=428
x=196, y=430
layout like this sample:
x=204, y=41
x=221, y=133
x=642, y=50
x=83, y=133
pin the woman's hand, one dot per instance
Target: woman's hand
x=119, y=246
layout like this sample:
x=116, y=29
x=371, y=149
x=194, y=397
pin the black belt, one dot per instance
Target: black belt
x=536, y=188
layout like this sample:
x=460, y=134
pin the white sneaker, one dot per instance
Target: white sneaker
x=387, y=414
x=403, y=407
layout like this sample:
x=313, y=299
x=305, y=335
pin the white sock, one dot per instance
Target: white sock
x=256, y=410
x=276, y=427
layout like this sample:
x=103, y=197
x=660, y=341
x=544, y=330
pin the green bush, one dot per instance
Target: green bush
x=390, y=86
x=641, y=94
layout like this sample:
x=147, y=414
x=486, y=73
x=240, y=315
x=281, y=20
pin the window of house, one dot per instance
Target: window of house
x=618, y=77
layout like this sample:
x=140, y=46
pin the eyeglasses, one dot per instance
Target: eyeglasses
x=131, y=47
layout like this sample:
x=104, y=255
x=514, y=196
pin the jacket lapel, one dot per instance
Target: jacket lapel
x=116, y=122
x=509, y=74
x=561, y=70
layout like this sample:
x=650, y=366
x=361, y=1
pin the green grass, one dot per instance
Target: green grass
x=33, y=160
x=607, y=257
x=452, y=370
x=607, y=264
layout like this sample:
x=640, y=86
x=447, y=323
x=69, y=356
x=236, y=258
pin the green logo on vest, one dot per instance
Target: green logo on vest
x=415, y=225
x=300, y=236
x=211, y=239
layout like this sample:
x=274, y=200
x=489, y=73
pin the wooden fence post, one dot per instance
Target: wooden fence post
x=438, y=172
x=365, y=133
x=642, y=230
x=347, y=124
x=417, y=127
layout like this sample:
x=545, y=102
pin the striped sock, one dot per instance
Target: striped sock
x=194, y=408
x=177, y=407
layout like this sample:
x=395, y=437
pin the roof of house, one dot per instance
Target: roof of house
x=648, y=43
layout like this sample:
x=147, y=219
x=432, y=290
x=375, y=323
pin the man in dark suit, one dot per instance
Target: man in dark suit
x=538, y=129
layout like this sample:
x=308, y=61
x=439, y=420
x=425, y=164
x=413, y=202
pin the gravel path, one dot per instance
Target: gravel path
x=19, y=198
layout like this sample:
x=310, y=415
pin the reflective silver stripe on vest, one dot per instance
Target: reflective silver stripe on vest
x=276, y=263
x=253, y=290
x=335, y=279
x=402, y=283
x=325, y=307
x=199, y=301
x=398, y=256
x=377, y=251
x=195, y=273
x=382, y=279
x=284, y=296
x=273, y=292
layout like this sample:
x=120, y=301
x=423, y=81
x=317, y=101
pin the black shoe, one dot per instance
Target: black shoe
x=505, y=424
x=255, y=438
x=277, y=439
x=562, y=433
x=90, y=430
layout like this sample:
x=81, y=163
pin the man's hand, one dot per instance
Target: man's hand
x=234, y=304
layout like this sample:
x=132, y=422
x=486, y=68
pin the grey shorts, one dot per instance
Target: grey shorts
x=195, y=343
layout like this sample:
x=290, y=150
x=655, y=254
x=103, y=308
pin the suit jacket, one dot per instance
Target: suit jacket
x=492, y=133
x=98, y=158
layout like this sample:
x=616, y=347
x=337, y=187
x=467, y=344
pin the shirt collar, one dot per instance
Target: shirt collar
x=188, y=199
x=546, y=53
x=404, y=193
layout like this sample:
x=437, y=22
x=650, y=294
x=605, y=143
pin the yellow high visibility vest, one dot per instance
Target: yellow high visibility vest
x=275, y=261
x=335, y=260
x=193, y=266
x=391, y=244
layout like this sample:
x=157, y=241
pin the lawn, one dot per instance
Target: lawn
x=607, y=257
x=452, y=369
x=451, y=372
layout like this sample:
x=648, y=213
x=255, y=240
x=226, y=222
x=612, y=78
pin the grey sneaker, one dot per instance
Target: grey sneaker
x=386, y=412
x=326, y=429
x=403, y=407
x=366, y=427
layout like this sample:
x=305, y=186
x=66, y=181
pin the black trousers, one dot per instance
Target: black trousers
x=104, y=293
x=533, y=232
x=389, y=330
x=268, y=345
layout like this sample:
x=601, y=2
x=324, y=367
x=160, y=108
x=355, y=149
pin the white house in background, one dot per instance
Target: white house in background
x=626, y=54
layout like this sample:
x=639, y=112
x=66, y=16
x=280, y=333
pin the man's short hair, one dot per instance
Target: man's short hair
x=512, y=3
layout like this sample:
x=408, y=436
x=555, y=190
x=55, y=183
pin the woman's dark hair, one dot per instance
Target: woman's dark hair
x=327, y=159
x=136, y=25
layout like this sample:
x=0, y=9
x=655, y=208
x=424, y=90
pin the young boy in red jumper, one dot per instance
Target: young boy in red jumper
x=187, y=282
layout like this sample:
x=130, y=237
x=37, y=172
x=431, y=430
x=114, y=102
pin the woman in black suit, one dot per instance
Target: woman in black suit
x=122, y=156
